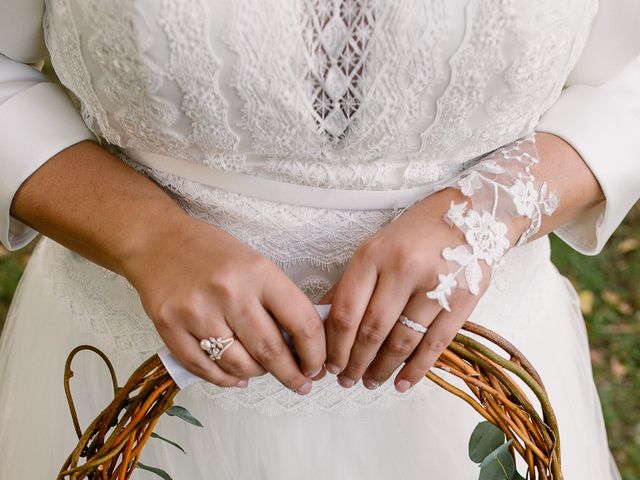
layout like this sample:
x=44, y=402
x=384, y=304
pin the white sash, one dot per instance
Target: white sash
x=282, y=192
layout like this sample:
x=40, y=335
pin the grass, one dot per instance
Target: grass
x=610, y=297
x=11, y=267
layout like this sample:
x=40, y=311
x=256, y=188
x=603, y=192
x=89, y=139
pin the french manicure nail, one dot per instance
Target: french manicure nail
x=403, y=385
x=242, y=383
x=313, y=374
x=370, y=383
x=346, y=382
x=303, y=390
x=332, y=369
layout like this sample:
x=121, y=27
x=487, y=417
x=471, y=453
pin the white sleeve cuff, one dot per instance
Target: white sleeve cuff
x=606, y=133
x=35, y=125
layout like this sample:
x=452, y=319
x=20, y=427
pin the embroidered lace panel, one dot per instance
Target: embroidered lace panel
x=361, y=94
x=499, y=187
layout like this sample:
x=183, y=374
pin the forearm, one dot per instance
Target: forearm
x=567, y=174
x=88, y=200
x=516, y=193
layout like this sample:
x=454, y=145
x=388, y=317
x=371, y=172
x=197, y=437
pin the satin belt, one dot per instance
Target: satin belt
x=282, y=192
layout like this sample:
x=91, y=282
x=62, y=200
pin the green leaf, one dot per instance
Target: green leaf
x=158, y=471
x=498, y=465
x=159, y=437
x=517, y=476
x=486, y=437
x=183, y=413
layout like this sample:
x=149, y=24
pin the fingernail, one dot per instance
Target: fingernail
x=313, y=374
x=332, y=369
x=370, y=383
x=403, y=385
x=346, y=382
x=303, y=390
x=242, y=383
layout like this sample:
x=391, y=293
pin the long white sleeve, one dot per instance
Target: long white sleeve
x=598, y=113
x=37, y=118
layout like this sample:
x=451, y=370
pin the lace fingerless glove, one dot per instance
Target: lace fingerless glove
x=499, y=186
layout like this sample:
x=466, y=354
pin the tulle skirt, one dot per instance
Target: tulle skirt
x=266, y=433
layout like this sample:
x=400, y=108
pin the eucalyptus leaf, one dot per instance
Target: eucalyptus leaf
x=183, y=413
x=486, y=437
x=158, y=471
x=160, y=437
x=498, y=465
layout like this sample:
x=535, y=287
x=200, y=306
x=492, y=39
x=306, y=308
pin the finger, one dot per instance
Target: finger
x=439, y=335
x=262, y=338
x=320, y=375
x=295, y=314
x=235, y=360
x=386, y=305
x=349, y=303
x=401, y=341
x=328, y=297
x=186, y=348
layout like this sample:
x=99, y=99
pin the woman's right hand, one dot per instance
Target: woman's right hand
x=196, y=281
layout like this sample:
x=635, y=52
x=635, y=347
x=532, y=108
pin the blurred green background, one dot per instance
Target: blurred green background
x=610, y=300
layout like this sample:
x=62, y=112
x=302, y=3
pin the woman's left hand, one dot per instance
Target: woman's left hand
x=389, y=276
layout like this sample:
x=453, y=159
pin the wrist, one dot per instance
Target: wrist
x=441, y=201
x=154, y=237
x=503, y=206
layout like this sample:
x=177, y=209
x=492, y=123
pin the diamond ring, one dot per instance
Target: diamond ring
x=215, y=347
x=416, y=327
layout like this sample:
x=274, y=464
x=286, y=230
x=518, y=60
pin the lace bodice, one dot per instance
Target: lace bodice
x=367, y=94
x=353, y=94
x=349, y=94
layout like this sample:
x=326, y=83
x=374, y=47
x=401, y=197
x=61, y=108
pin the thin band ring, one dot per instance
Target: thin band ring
x=416, y=327
x=215, y=347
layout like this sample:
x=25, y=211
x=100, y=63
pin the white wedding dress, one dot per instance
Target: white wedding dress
x=349, y=95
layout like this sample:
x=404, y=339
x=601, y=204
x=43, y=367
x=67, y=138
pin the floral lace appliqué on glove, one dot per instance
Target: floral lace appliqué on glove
x=500, y=186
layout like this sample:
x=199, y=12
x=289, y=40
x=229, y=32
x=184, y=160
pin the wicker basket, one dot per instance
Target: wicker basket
x=110, y=447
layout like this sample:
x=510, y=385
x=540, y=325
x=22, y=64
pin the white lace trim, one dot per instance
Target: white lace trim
x=196, y=71
x=286, y=234
x=107, y=305
x=65, y=49
x=478, y=59
x=499, y=187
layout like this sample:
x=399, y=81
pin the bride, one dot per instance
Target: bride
x=217, y=168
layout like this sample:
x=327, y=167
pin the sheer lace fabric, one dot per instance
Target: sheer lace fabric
x=500, y=187
x=350, y=94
